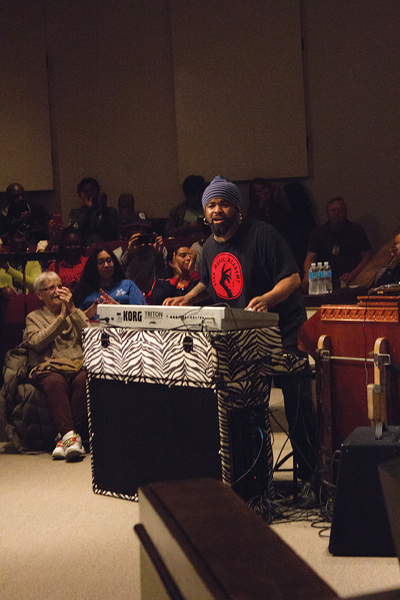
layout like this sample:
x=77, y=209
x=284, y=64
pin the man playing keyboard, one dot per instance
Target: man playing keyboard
x=247, y=264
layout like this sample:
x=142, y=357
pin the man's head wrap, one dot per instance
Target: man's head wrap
x=224, y=189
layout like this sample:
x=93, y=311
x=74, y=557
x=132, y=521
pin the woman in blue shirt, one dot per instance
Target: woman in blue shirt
x=103, y=282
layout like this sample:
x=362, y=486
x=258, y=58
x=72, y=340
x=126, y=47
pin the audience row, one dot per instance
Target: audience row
x=138, y=254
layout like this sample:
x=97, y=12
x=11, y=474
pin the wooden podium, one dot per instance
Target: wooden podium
x=357, y=353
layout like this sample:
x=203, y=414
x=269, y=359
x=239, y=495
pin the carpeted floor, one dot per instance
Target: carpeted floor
x=59, y=539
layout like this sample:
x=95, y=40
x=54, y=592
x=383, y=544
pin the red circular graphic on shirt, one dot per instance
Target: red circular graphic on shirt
x=227, y=276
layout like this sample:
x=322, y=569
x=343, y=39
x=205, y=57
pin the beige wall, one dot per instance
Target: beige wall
x=118, y=77
x=112, y=104
x=111, y=95
x=25, y=148
x=351, y=79
x=239, y=91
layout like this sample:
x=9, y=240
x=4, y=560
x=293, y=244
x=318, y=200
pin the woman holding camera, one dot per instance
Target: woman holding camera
x=103, y=282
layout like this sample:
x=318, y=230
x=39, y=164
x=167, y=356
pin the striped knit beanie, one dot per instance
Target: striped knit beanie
x=222, y=188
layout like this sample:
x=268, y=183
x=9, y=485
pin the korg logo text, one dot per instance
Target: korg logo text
x=132, y=315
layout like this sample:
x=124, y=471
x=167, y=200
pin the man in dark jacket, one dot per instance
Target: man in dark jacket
x=96, y=221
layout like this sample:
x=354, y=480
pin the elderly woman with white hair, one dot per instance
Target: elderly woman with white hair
x=53, y=335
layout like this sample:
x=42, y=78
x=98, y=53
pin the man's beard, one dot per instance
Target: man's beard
x=225, y=227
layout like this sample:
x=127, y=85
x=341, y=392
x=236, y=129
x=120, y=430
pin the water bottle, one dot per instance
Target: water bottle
x=320, y=279
x=328, y=278
x=312, y=280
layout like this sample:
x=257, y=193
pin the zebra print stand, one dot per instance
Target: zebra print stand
x=236, y=365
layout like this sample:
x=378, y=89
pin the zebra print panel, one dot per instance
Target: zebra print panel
x=243, y=352
x=184, y=358
x=237, y=364
x=97, y=490
x=151, y=356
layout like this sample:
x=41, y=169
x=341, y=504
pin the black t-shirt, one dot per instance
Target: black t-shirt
x=342, y=249
x=250, y=264
x=168, y=288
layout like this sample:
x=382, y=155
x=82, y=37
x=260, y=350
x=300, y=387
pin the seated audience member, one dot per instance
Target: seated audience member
x=127, y=213
x=390, y=274
x=12, y=272
x=34, y=216
x=96, y=221
x=144, y=259
x=265, y=205
x=53, y=335
x=54, y=229
x=72, y=261
x=186, y=218
x=198, y=246
x=343, y=243
x=103, y=282
x=183, y=277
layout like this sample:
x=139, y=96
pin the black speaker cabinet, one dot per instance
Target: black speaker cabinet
x=142, y=433
x=389, y=474
x=360, y=525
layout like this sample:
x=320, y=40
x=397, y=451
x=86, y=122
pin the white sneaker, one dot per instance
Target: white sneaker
x=58, y=452
x=72, y=445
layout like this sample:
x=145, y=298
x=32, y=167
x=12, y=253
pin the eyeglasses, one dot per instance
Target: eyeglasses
x=50, y=288
x=105, y=261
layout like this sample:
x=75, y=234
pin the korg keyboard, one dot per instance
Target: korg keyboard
x=200, y=318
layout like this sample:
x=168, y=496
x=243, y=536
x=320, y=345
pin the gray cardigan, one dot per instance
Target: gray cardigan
x=48, y=336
